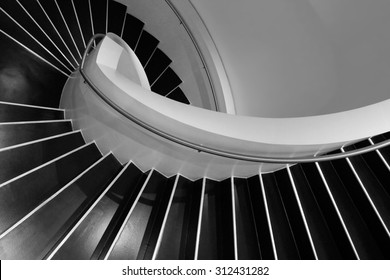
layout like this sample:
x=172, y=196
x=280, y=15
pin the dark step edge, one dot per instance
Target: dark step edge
x=105, y=253
x=63, y=240
x=6, y=232
x=32, y=106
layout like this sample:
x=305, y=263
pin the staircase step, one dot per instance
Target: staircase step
x=132, y=30
x=156, y=65
x=83, y=13
x=284, y=236
x=38, y=14
x=178, y=95
x=27, y=79
x=19, y=132
x=13, y=112
x=53, y=11
x=377, y=165
x=369, y=189
x=146, y=45
x=323, y=240
x=329, y=216
x=178, y=236
x=20, y=196
x=93, y=233
x=351, y=210
x=139, y=235
x=12, y=29
x=52, y=222
x=253, y=233
x=217, y=232
x=116, y=17
x=19, y=15
x=167, y=82
x=14, y=162
x=99, y=16
x=72, y=23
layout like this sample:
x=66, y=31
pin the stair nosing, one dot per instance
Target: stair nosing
x=199, y=227
x=268, y=215
x=36, y=122
x=32, y=106
x=46, y=201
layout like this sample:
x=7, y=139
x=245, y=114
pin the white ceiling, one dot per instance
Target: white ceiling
x=289, y=58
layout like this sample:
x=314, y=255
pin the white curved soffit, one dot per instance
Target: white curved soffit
x=239, y=134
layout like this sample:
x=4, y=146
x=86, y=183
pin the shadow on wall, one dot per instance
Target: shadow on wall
x=25, y=78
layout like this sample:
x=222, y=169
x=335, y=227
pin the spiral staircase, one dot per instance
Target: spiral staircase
x=62, y=199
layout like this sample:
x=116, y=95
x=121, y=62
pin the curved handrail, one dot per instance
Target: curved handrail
x=213, y=151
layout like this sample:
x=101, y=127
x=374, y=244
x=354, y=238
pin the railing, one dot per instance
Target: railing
x=213, y=151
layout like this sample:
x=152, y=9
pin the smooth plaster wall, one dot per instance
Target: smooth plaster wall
x=289, y=58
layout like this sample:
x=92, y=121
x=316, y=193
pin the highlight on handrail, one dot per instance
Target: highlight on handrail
x=213, y=151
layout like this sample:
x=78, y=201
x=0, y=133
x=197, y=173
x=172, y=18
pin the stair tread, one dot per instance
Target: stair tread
x=116, y=17
x=16, y=133
x=217, y=218
x=146, y=45
x=178, y=239
x=21, y=196
x=71, y=20
x=138, y=222
x=156, y=65
x=27, y=157
x=84, y=15
x=132, y=30
x=27, y=79
x=15, y=113
x=350, y=209
x=52, y=221
x=36, y=11
x=168, y=81
x=178, y=95
x=17, y=12
x=86, y=238
x=53, y=12
x=320, y=233
x=99, y=14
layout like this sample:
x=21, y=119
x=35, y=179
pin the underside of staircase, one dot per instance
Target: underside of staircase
x=61, y=198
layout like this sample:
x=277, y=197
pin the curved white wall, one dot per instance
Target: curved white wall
x=295, y=58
